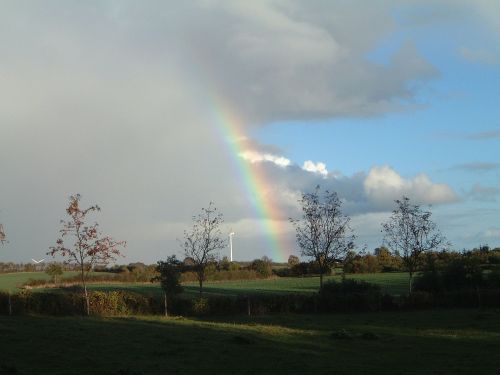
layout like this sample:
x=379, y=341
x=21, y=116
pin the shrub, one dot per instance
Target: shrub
x=431, y=282
x=201, y=306
x=350, y=295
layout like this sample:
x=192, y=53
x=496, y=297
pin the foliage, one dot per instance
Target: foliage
x=263, y=266
x=350, y=295
x=293, y=260
x=89, y=247
x=54, y=270
x=169, y=274
x=323, y=231
x=411, y=232
x=203, y=240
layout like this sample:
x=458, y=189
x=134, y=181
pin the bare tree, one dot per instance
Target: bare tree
x=89, y=246
x=323, y=232
x=410, y=231
x=203, y=240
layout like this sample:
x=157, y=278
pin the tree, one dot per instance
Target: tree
x=169, y=276
x=323, y=231
x=88, y=247
x=3, y=237
x=293, y=260
x=203, y=240
x=263, y=266
x=410, y=232
x=54, y=270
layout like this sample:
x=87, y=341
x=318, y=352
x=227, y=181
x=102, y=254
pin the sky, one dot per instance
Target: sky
x=154, y=109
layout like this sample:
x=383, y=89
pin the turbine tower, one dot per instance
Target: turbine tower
x=231, y=245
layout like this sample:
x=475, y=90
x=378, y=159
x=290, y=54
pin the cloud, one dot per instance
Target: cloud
x=483, y=135
x=123, y=102
x=492, y=233
x=479, y=56
x=257, y=157
x=383, y=185
x=361, y=193
x=318, y=167
x=478, y=167
x=283, y=61
x=484, y=193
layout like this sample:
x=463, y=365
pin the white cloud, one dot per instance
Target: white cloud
x=258, y=157
x=318, y=167
x=383, y=185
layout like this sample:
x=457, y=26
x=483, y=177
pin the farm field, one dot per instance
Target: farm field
x=392, y=283
x=440, y=341
x=12, y=281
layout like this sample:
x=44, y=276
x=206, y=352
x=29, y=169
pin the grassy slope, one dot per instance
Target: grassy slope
x=451, y=341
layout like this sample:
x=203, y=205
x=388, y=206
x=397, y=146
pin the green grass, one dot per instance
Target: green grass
x=13, y=281
x=424, y=342
x=393, y=283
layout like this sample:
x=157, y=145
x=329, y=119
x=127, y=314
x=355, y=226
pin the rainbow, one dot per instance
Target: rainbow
x=230, y=130
x=254, y=180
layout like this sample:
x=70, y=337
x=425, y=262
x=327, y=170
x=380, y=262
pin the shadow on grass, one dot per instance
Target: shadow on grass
x=417, y=342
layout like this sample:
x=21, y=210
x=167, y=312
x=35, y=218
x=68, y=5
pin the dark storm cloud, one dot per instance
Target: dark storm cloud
x=112, y=99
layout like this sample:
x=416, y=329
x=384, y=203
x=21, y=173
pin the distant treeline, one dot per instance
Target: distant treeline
x=381, y=260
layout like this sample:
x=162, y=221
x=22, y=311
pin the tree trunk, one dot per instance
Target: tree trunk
x=410, y=281
x=166, y=311
x=10, y=304
x=321, y=281
x=201, y=286
x=87, y=301
x=478, y=294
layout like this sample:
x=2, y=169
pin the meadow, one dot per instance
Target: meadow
x=391, y=283
x=13, y=281
x=438, y=341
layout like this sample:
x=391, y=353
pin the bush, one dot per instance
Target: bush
x=350, y=295
x=72, y=303
x=263, y=267
x=201, y=306
x=431, y=282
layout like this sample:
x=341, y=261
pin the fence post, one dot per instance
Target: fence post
x=10, y=305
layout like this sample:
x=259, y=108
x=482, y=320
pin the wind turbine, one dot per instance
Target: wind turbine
x=231, y=244
x=37, y=261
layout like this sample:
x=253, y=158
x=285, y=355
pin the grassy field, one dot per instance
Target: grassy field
x=423, y=342
x=393, y=283
x=12, y=281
